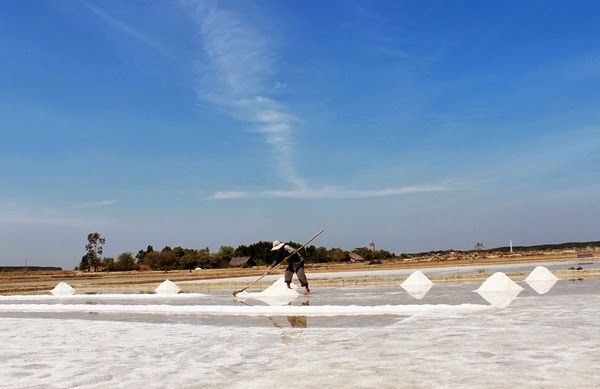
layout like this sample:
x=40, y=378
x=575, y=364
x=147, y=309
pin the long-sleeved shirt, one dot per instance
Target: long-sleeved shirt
x=296, y=260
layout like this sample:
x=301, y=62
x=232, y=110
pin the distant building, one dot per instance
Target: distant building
x=355, y=257
x=242, y=261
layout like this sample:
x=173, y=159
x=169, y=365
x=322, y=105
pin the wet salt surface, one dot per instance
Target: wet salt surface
x=548, y=340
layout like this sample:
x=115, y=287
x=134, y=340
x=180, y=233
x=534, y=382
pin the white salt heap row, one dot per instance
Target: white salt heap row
x=499, y=282
x=63, y=289
x=541, y=280
x=540, y=273
x=499, y=290
x=167, y=287
x=417, y=284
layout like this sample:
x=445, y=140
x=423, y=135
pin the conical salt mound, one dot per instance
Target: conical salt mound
x=417, y=278
x=279, y=289
x=63, y=289
x=167, y=287
x=540, y=273
x=499, y=282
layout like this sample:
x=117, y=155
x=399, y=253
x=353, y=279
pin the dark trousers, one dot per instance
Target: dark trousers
x=289, y=273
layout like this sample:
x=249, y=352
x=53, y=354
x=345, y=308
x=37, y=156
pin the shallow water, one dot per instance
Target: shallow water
x=450, y=338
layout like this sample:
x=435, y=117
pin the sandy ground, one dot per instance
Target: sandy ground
x=236, y=278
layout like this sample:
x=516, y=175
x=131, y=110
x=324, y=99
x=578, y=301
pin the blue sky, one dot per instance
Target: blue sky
x=416, y=125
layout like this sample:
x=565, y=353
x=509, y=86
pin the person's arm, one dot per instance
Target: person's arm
x=292, y=252
x=276, y=261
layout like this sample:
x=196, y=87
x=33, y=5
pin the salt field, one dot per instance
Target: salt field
x=441, y=335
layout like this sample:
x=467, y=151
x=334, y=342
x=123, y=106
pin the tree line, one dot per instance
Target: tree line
x=179, y=258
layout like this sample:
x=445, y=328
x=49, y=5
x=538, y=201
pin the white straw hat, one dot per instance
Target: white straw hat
x=277, y=245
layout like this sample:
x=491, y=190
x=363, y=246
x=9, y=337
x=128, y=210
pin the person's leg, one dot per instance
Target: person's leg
x=303, y=280
x=288, y=276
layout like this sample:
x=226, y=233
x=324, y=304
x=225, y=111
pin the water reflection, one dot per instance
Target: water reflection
x=499, y=299
x=541, y=279
x=295, y=330
x=417, y=291
x=541, y=287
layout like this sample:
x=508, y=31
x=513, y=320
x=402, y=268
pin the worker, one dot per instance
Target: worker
x=295, y=264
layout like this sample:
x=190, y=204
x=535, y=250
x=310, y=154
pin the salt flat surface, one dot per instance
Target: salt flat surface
x=337, y=337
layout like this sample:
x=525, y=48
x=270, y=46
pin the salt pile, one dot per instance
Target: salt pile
x=417, y=278
x=276, y=294
x=499, y=290
x=63, y=289
x=498, y=282
x=167, y=287
x=540, y=273
x=541, y=280
x=417, y=284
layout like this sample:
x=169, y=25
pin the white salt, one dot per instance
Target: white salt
x=279, y=289
x=541, y=280
x=63, y=289
x=499, y=290
x=417, y=284
x=417, y=278
x=499, y=282
x=167, y=287
x=276, y=294
x=540, y=273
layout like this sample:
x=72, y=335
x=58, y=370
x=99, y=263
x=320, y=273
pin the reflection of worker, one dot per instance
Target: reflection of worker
x=295, y=264
x=299, y=321
x=295, y=321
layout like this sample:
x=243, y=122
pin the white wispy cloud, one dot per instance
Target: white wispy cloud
x=95, y=204
x=240, y=60
x=130, y=31
x=237, y=75
x=328, y=192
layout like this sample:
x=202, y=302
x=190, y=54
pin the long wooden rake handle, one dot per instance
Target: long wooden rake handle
x=270, y=270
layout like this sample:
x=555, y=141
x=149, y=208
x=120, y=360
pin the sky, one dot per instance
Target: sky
x=418, y=126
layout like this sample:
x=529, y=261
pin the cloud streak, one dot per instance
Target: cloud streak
x=240, y=66
x=237, y=75
x=327, y=192
x=121, y=26
x=95, y=204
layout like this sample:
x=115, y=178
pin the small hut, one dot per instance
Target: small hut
x=241, y=262
x=355, y=257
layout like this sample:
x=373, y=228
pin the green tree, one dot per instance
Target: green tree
x=478, y=247
x=94, y=249
x=221, y=258
x=126, y=262
x=337, y=255
x=168, y=259
x=109, y=264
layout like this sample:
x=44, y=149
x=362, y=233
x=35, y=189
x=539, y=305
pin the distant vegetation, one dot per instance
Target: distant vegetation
x=28, y=268
x=179, y=258
x=546, y=247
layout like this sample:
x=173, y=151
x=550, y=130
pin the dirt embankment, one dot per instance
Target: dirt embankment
x=146, y=282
